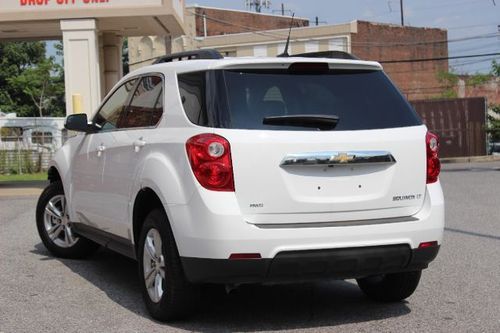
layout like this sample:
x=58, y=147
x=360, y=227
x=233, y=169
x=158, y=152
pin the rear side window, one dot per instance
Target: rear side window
x=361, y=99
x=146, y=107
x=192, y=91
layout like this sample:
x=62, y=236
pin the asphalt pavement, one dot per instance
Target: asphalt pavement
x=460, y=292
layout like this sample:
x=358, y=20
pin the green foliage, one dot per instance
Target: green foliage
x=449, y=82
x=13, y=177
x=494, y=124
x=30, y=83
x=495, y=68
x=447, y=78
x=478, y=79
x=19, y=161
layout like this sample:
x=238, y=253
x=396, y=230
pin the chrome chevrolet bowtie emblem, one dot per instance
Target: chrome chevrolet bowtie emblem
x=342, y=158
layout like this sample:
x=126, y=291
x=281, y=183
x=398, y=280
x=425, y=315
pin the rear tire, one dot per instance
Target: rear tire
x=167, y=293
x=54, y=227
x=390, y=287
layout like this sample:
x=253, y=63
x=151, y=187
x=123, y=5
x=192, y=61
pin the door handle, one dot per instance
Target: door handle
x=100, y=150
x=138, y=144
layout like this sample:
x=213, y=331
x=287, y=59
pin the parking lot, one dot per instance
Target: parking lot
x=460, y=292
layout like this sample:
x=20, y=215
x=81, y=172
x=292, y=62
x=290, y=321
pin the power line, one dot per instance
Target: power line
x=439, y=58
x=374, y=44
x=270, y=33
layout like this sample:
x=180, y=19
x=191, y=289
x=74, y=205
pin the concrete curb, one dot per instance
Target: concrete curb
x=470, y=159
x=25, y=184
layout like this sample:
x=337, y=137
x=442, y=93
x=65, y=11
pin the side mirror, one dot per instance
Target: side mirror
x=79, y=123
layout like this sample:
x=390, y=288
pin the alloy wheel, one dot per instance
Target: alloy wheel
x=56, y=222
x=154, y=265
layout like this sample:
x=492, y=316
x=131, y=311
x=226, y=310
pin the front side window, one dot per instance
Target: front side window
x=111, y=112
x=146, y=106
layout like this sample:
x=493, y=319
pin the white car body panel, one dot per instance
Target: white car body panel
x=102, y=189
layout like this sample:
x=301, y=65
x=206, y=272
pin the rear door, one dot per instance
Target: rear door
x=371, y=166
x=329, y=176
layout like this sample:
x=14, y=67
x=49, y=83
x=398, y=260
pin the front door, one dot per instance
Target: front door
x=88, y=192
x=125, y=151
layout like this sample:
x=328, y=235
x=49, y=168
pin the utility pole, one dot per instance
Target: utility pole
x=402, y=13
x=282, y=9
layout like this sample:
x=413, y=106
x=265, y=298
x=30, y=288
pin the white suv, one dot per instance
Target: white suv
x=250, y=170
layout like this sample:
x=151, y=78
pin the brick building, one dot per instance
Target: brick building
x=224, y=21
x=387, y=42
x=489, y=89
x=240, y=33
x=199, y=21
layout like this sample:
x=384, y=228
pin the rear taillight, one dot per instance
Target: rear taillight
x=210, y=158
x=433, y=164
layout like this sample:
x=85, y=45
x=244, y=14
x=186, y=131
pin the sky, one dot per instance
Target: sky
x=479, y=19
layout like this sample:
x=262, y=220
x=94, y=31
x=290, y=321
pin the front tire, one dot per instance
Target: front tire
x=167, y=293
x=54, y=227
x=390, y=287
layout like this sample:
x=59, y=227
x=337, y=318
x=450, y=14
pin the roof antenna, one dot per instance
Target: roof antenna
x=285, y=52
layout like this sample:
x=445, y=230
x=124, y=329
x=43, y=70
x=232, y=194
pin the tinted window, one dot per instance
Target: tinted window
x=113, y=109
x=362, y=99
x=192, y=90
x=146, y=106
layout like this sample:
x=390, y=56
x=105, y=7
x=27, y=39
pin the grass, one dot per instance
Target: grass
x=24, y=177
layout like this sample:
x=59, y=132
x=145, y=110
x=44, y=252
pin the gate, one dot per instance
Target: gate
x=460, y=124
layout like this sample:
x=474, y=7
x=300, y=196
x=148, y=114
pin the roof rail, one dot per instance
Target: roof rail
x=328, y=54
x=190, y=55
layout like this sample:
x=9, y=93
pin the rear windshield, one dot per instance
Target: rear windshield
x=241, y=99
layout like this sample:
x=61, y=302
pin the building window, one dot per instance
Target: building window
x=260, y=50
x=337, y=44
x=41, y=138
x=11, y=134
x=229, y=53
x=281, y=48
x=312, y=46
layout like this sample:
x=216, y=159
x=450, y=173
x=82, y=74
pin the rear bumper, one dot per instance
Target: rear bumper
x=212, y=227
x=341, y=263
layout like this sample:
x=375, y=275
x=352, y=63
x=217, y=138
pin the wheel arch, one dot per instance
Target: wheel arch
x=53, y=174
x=145, y=201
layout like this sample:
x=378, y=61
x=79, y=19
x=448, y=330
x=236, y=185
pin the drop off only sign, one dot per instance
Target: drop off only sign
x=73, y=4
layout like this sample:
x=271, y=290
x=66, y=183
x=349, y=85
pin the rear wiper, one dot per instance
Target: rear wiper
x=321, y=122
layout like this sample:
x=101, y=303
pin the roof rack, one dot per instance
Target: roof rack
x=190, y=55
x=328, y=54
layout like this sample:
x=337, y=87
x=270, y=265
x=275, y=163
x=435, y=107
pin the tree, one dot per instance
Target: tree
x=494, y=118
x=494, y=124
x=30, y=84
x=495, y=68
x=39, y=83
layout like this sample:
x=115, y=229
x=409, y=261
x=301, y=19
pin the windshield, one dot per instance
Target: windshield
x=242, y=99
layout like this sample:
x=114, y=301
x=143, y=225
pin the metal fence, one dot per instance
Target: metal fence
x=22, y=154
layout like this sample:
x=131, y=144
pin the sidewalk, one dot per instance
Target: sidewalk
x=22, y=188
x=470, y=159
